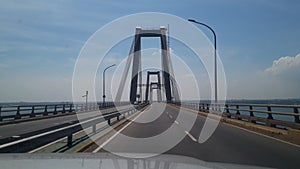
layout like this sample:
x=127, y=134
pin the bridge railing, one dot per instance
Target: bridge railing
x=273, y=115
x=15, y=112
x=39, y=139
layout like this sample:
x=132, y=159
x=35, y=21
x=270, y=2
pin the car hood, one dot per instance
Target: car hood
x=109, y=161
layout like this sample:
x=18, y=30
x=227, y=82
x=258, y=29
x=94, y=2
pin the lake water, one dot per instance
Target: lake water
x=273, y=101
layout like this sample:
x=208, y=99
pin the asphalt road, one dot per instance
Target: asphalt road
x=28, y=128
x=228, y=144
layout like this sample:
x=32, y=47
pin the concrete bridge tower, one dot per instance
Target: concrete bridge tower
x=135, y=58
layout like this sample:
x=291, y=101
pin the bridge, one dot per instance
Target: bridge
x=266, y=135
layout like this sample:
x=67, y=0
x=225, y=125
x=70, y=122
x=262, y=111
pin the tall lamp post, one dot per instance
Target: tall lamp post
x=86, y=98
x=104, y=82
x=215, y=54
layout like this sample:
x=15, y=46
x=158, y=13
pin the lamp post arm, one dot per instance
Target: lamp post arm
x=215, y=55
x=211, y=29
x=103, y=85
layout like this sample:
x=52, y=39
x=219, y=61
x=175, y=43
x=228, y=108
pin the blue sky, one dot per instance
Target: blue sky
x=258, y=42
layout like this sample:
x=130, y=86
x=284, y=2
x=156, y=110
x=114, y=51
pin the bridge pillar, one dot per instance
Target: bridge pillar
x=168, y=80
x=152, y=87
x=136, y=66
x=158, y=86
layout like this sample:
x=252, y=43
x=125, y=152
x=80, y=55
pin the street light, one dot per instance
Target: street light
x=104, y=82
x=215, y=53
x=86, y=98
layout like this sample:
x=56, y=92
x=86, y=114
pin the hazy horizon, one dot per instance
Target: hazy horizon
x=258, y=44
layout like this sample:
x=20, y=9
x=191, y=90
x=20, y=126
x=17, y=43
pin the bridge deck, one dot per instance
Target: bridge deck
x=228, y=144
x=27, y=128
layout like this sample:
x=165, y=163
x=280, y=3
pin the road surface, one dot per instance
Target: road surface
x=15, y=131
x=228, y=144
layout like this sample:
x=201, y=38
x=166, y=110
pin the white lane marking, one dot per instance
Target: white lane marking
x=176, y=122
x=42, y=134
x=46, y=133
x=113, y=136
x=192, y=137
x=44, y=146
x=286, y=142
x=147, y=108
x=170, y=116
x=167, y=112
x=49, y=144
x=15, y=136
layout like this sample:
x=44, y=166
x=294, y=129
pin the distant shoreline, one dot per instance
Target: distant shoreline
x=247, y=101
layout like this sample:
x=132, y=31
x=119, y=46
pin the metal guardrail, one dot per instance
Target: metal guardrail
x=15, y=112
x=28, y=143
x=273, y=115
